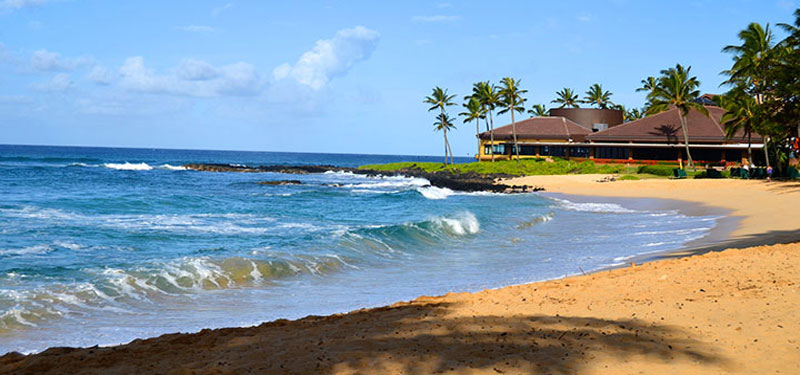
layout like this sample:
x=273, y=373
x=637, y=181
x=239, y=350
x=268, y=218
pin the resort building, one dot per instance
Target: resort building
x=600, y=135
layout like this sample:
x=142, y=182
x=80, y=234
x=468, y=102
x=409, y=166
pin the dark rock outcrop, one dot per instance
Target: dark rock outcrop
x=469, y=181
x=280, y=182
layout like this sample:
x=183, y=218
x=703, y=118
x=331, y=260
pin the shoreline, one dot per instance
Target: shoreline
x=560, y=305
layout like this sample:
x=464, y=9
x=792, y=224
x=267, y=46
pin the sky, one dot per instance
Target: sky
x=326, y=76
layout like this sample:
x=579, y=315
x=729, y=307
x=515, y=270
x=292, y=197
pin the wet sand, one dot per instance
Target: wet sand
x=735, y=311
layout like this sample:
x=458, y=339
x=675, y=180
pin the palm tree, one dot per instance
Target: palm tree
x=751, y=60
x=649, y=85
x=444, y=123
x=474, y=111
x=741, y=115
x=792, y=43
x=539, y=110
x=439, y=99
x=598, y=97
x=633, y=114
x=488, y=96
x=567, y=98
x=677, y=89
x=512, y=101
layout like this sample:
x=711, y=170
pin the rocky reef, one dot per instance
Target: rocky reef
x=469, y=182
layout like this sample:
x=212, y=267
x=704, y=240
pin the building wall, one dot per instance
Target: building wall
x=587, y=117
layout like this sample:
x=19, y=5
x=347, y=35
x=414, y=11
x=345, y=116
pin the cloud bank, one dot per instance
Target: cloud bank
x=329, y=58
x=191, y=78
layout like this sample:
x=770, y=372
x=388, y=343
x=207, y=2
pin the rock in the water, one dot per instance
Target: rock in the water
x=280, y=182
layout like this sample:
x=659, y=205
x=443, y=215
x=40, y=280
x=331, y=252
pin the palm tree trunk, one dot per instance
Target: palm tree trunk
x=766, y=150
x=514, y=132
x=478, y=135
x=749, y=147
x=686, y=143
x=491, y=135
x=445, y=145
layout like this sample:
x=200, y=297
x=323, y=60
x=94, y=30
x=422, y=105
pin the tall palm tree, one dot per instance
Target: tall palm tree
x=439, y=99
x=567, y=98
x=598, y=97
x=677, y=89
x=751, y=61
x=512, y=101
x=489, y=98
x=648, y=85
x=474, y=111
x=444, y=123
x=539, y=110
x=742, y=114
x=792, y=43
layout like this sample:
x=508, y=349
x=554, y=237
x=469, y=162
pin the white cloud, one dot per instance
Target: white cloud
x=218, y=10
x=101, y=75
x=59, y=82
x=196, y=70
x=437, y=18
x=46, y=61
x=330, y=58
x=19, y=4
x=196, y=28
x=584, y=17
x=191, y=78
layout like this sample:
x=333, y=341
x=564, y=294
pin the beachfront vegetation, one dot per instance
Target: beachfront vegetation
x=539, y=110
x=439, y=99
x=566, y=98
x=534, y=166
x=489, y=98
x=596, y=96
x=512, y=101
x=677, y=88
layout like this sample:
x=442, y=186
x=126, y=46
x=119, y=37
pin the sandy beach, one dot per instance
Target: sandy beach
x=734, y=311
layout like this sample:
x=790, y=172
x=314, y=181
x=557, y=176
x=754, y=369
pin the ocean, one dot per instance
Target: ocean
x=99, y=246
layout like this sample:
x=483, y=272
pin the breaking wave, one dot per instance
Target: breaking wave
x=126, y=166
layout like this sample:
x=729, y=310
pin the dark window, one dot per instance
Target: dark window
x=554, y=151
x=735, y=155
x=611, y=152
x=498, y=149
x=579, y=152
x=655, y=153
x=525, y=150
x=712, y=155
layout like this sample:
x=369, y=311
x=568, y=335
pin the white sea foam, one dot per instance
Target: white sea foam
x=126, y=166
x=433, y=192
x=172, y=167
x=593, y=207
x=462, y=224
x=29, y=250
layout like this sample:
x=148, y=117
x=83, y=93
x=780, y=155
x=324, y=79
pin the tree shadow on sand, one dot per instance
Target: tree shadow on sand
x=413, y=338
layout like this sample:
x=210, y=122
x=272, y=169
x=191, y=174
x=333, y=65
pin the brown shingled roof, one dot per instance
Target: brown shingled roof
x=546, y=127
x=666, y=127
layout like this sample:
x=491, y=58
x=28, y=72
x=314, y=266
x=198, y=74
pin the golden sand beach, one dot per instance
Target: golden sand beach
x=735, y=311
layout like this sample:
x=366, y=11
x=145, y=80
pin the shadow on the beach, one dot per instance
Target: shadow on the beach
x=410, y=339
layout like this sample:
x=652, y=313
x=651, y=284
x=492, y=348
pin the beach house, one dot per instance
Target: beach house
x=601, y=135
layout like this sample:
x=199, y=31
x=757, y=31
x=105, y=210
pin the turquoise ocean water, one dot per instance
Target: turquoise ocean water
x=99, y=246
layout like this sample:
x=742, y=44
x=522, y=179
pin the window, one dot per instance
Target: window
x=611, y=152
x=525, y=150
x=554, y=151
x=579, y=152
x=655, y=153
x=498, y=149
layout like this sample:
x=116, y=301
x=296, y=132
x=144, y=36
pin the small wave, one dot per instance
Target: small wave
x=433, y=192
x=126, y=166
x=172, y=167
x=593, y=207
x=537, y=220
x=84, y=165
x=462, y=224
x=29, y=250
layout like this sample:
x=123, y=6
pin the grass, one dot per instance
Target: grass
x=526, y=167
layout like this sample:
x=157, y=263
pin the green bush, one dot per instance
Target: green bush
x=628, y=177
x=658, y=170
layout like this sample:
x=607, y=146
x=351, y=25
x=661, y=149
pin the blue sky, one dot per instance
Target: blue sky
x=324, y=76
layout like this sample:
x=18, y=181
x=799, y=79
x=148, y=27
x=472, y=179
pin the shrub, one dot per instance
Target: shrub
x=658, y=170
x=628, y=177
